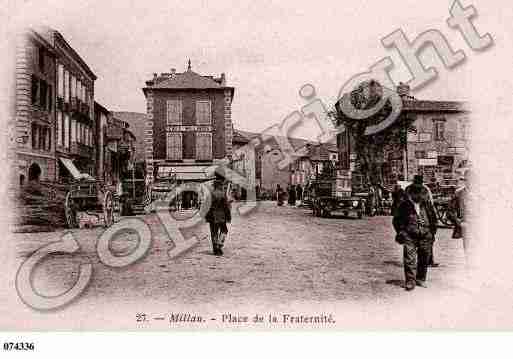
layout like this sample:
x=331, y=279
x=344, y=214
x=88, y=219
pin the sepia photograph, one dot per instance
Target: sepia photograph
x=256, y=165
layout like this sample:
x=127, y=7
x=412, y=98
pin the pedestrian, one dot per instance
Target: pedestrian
x=279, y=195
x=398, y=195
x=218, y=215
x=292, y=195
x=418, y=180
x=459, y=213
x=299, y=193
x=415, y=224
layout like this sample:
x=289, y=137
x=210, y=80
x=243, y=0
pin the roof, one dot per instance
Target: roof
x=53, y=36
x=188, y=80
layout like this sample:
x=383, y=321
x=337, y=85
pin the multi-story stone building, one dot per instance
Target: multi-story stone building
x=189, y=124
x=243, y=162
x=116, y=146
x=32, y=124
x=75, y=124
x=437, y=148
x=312, y=164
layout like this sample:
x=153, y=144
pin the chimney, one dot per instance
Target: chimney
x=403, y=89
x=223, y=79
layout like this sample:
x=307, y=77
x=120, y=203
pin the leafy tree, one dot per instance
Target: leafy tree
x=370, y=150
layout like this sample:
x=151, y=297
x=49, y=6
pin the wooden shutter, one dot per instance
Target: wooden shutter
x=174, y=146
x=174, y=112
x=204, y=146
x=203, y=113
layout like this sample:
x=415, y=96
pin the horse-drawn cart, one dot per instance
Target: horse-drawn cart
x=88, y=202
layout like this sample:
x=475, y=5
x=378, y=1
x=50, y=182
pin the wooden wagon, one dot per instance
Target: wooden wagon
x=87, y=199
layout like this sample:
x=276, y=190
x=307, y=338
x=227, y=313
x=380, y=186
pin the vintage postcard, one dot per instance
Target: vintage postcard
x=256, y=165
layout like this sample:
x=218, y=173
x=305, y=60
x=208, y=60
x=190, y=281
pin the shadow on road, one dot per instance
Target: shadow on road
x=396, y=282
x=394, y=263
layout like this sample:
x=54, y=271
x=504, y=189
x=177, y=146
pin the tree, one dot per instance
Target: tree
x=370, y=150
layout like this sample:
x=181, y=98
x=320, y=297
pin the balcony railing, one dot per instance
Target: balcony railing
x=81, y=149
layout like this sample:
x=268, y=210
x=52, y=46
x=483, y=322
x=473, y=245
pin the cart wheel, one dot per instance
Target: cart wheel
x=71, y=218
x=108, y=209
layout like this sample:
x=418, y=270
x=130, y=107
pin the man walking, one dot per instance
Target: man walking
x=415, y=224
x=418, y=180
x=218, y=216
x=459, y=213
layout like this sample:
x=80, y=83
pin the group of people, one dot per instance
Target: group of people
x=415, y=222
x=293, y=193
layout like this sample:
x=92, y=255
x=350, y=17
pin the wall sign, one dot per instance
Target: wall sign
x=190, y=128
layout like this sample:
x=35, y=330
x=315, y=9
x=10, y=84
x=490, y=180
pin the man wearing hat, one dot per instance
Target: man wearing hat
x=415, y=223
x=218, y=215
x=418, y=180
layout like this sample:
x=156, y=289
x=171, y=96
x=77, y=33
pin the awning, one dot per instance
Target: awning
x=185, y=173
x=74, y=171
x=71, y=168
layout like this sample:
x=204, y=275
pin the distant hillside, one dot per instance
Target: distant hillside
x=137, y=122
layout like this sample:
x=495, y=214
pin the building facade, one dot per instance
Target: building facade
x=75, y=123
x=189, y=124
x=312, y=164
x=243, y=162
x=116, y=149
x=32, y=124
x=437, y=148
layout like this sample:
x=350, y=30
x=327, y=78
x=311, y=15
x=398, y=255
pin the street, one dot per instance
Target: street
x=273, y=255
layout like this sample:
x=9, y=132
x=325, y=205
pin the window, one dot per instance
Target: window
x=34, y=89
x=174, y=146
x=59, y=128
x=66, y=86
x=73, y=86
x=463, y=130
x=66, y=130
x=42, y=93
x=203, y=146
x=35, y=136
x=73, y=131
x=174, y=112
x=41, y=56
x=203, y=113
x=60, y=80
x=50, y=97
x=80, y=91
x=439, y=129
x=420, y=154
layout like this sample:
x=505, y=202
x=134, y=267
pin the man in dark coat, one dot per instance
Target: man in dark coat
x=415, y=224
x=218, y=216
x=292, y=195
x=459, y=211
x=418, y=180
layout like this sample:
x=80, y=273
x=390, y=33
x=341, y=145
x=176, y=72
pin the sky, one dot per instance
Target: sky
x=268, y=49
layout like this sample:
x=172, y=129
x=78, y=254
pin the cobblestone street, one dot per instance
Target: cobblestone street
x=275, y=256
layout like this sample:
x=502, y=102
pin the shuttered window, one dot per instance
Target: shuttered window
x=203, y=145
x=174, y=146
x=174, y=112
x=66, y=130
x=203, y=113
x=60, y=81
x=59, y=128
